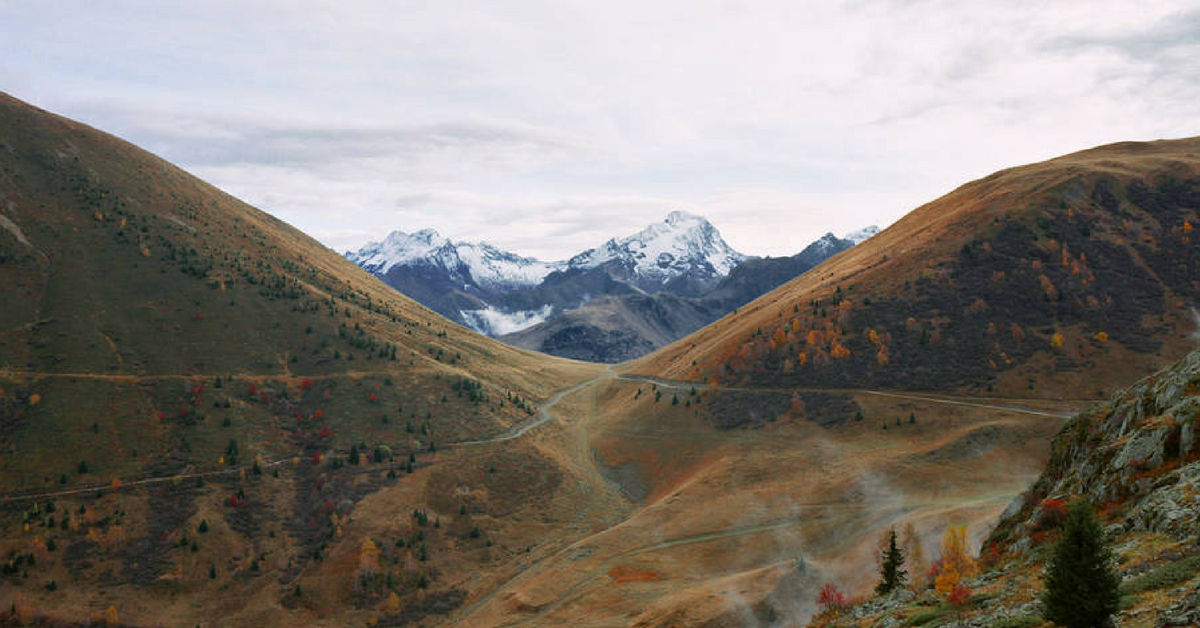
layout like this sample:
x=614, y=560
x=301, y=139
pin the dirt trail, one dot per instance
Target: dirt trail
x=601, y=570
x=131, y=483
x=971, y=402
x=543, y=414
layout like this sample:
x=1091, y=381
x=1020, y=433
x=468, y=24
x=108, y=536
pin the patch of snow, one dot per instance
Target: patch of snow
x=859, y=236
x=494, y=322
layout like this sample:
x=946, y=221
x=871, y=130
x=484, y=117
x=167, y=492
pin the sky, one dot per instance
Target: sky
x=546, y=128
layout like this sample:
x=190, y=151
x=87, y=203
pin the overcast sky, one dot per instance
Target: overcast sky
x=547, y=127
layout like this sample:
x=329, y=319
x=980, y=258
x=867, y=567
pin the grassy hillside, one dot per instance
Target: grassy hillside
x=1076, y=274
x=138, y=290
x=170, y=356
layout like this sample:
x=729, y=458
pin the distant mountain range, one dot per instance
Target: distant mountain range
x=614, y=302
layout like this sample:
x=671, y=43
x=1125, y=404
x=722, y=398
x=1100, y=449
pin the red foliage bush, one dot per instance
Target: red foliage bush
x=1051, y=514
x=830, y=599
x=307, y=384
x=237, y=502
x=991, y=554
x=960, y=596
x=935, y=569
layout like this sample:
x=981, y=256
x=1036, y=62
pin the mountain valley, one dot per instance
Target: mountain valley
x=210, y=419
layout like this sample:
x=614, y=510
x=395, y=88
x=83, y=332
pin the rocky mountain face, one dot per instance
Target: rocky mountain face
x=683, y=254
x=1136, y=458
x=1138, y=455
x=621, y=327
x=614, y=302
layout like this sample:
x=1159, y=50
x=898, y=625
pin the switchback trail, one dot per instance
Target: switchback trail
x=543, y=413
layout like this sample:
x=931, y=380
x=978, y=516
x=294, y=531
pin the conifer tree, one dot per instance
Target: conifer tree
x=1081, y=588
x=892, y=573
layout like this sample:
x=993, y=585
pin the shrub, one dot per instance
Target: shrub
x=831, y=600
x=920, y=618
x=1164, y=576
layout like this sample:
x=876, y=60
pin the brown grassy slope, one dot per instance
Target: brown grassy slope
x=126, y=265
x=152, y=326
x=967, y=292
x=732, y=523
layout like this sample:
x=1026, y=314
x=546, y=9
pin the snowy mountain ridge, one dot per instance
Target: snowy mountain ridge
x=465, y=262
x=496, y=292
x=682, y=243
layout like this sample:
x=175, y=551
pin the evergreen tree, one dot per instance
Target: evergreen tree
x=892, y=573
x=1081, y=589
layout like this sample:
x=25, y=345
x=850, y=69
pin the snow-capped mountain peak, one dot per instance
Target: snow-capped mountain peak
x=683, y=243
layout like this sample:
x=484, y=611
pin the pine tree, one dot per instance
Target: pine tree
x=892, y=573
x=1081, y=589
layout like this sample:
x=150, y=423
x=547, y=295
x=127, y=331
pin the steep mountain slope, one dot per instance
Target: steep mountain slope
x=196, y=399
x=1072, y=274
x=623, y=327
x=1136, y=459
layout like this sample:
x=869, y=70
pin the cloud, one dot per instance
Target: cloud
x=549, y=126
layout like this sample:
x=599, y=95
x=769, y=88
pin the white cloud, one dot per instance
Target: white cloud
x=545, y=127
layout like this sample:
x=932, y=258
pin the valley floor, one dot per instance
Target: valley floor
x=661, y=518
x=711, y=525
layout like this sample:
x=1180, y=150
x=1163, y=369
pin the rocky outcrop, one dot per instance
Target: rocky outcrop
x=1185, y=612
x=1139, y=451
